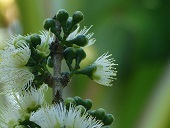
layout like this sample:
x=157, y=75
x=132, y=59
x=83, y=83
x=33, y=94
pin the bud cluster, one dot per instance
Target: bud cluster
x=85, y=106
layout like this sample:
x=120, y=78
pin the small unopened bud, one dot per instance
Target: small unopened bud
x=108, y=119
x=69, y=55
x=100, y=113
x=77, y=17
x=49, y=23
x=87, y=103
x=79, y=40
x=79, y=100
x=80, y=55
x=35, y=39
x=69, y=24
x=62, y=16
x=92, y=112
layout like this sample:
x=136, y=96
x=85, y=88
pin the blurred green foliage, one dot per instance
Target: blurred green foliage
x=137, y=33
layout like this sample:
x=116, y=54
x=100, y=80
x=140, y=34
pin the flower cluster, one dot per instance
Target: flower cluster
x=25, y=76
x=57, y=116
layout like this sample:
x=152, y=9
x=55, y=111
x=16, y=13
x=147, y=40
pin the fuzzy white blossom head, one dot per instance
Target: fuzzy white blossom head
x=105, y=72
x=57, y=116
x=101, y=71
x=14, y=74
x=29, y=100
x=82, y=32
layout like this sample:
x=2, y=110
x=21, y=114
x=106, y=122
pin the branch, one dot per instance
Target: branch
x=57, y=56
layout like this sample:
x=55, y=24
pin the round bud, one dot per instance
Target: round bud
x=79, y=40
x=79, y=100
x=92, y=112
x=80, y=55
x=81, y=108
x=62, y=16
x=69, y=24
x=108, y=119
x=49, y=23
x=69, y=101
x=77, y=17
x=100, y=113
x=69, y=54
x=35, y=39
x=50, y=62
x=87, y=104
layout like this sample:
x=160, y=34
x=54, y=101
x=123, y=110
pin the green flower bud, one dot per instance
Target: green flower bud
x=69, y=55
x=79, y=100
x=79, y=40
x=77, y=17
x=100, y=113
x=50, y=62
x=49, y=23
x=87, y=104
x=80, y=55
x=92, y=112
x=81, y=108
x=108, y=119
x=69, y=24
x=62, y=16
x=69, y=101
x=35, y=39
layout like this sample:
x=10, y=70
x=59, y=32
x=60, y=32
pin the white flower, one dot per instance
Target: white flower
x=105, y=72
x=9, y=116
x=57, y=116
x=82, y=32
x=13, y=72
x=29, y=100
x=20, y=105
x=101, y=71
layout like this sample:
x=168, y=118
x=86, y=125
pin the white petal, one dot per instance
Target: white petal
x=105, y=72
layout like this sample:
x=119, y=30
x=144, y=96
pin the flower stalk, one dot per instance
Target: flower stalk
x=57, y=56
